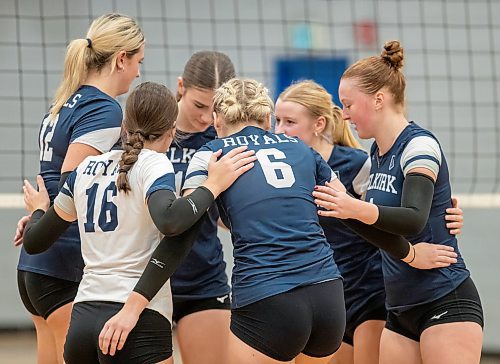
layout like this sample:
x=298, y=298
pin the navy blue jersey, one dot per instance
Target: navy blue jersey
x=89, y=117
x=359, y=262
x=278, y=242
x=203, y=272
x=405, y=286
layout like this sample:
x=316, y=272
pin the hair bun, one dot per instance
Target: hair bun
x=393, y=54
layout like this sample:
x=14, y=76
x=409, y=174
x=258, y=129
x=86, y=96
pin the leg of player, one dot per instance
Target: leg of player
x=202, y=336
x=454, y=342
x=168, y=361
x=305, y=359
x=241, y=353
x=345, y=355
x=367, y=342
x=58, y=323
x=396, y=348
x=46, y=347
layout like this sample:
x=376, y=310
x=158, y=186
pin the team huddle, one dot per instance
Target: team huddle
x=340, y=256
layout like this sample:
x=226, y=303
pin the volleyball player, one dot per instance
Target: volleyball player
x=84, y=119
x=306, y=110
x=200, y=286
x=121, y=200
x=435, y=316
x=287, y=300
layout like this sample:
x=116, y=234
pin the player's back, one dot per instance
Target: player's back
x=278, y=242
x=117, y=233
x=90, y=117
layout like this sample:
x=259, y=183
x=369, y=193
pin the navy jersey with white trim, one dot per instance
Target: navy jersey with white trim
x=203, y=273
x=89, y=117
x=359, y=262
x=278, y=242
x=415, y=147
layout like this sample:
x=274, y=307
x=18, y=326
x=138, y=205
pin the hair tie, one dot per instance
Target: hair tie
x=121, y=170
x=89, y=43
x=140, y=133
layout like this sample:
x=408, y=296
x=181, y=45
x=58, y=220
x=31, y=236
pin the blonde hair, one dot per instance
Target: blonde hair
x=107, y=36
x=151, y=110
x=373, y=73
x=318, y=102
x=243, y=100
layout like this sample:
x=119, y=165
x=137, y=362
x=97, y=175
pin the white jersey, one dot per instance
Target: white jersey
x=117, y=233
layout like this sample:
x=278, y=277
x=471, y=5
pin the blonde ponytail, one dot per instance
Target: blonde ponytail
x=107, y=36
x=75, y=72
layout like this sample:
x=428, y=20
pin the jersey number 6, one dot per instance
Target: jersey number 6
x=278, y=174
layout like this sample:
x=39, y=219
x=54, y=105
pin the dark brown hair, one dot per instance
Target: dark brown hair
x=207, y=70
x=151, y=110
x=373, y=73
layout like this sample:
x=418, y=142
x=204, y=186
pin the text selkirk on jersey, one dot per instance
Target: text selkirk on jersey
x=117, y=233
x=406, y=286
x=89, y=117
x=278, y=242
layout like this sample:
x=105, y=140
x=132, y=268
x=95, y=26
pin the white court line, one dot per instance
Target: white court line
x=475, y=200
x=11, y=201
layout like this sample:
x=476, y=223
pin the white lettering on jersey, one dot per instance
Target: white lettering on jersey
x=187, y=154
x=242, y=140
x=382, y=182
x=229, y=142
x=268, y=140
x=254, y=139
x=46, y=137
x=73, y=101
x=285, y=178
x=279, y=136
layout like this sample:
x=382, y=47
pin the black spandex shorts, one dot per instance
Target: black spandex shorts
x=461, y=305
x=149, y=342
x=374, y=310
x=183, y=307
x=42, y=295
x=308, y=319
